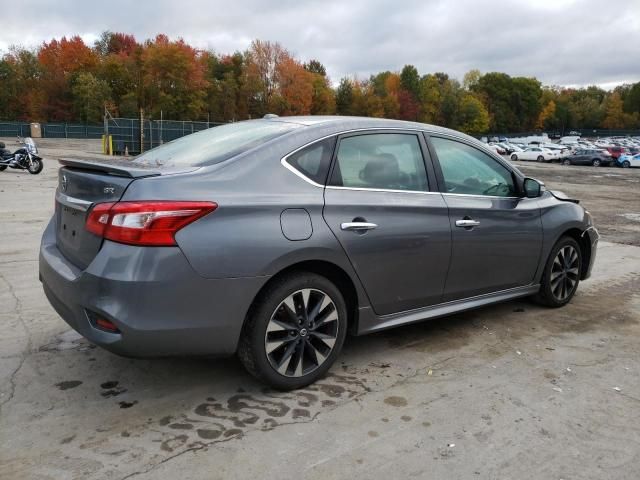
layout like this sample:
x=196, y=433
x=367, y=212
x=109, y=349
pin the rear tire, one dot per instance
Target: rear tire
x=2, y=168
x=595, y=162
x=561, y=275
x=566, y=161
x=294, y=331
x=540, y=158
x=626, y=164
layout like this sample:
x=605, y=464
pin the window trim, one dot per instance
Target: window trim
x=288, y=166
x=424, y=147
x=294, y=170
x=517, y=178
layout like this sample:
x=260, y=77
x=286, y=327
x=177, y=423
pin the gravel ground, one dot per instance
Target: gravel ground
x=508, y=391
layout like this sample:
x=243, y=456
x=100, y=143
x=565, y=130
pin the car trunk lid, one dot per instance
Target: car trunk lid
x=82, y=184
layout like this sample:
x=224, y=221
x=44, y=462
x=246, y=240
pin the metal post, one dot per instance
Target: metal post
x=161, y=140
x=141, y=130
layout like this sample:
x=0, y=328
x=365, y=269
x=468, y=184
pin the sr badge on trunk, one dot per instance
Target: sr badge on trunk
x=63, y=183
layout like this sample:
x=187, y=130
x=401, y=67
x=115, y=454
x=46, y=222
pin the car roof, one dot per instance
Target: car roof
x=339, y=123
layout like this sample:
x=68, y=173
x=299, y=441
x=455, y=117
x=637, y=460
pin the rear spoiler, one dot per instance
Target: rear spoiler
x=118, y=168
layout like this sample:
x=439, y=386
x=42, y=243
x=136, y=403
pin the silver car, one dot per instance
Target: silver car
x=273, y=238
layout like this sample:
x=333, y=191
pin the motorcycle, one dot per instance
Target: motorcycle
x=25, y=158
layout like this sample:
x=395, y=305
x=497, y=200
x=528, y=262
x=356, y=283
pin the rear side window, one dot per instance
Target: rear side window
x=390, y=161
x=314, y=161
x=216, y=144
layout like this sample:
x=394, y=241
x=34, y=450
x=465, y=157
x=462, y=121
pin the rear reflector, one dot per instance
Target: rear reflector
x=104, y=324
x=148, y=223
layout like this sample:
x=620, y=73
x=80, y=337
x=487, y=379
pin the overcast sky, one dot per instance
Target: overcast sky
x=561, y=42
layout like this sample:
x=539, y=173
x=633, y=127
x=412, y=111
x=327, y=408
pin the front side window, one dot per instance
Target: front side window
x=314, y=161
x=389, y=161
x=467, y=170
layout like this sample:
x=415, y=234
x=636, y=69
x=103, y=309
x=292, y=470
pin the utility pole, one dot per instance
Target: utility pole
x=141, y=130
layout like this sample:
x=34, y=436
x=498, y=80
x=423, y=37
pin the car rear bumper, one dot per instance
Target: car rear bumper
x=159, y=304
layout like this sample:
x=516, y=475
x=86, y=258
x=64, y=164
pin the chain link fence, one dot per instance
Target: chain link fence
x=125, y=132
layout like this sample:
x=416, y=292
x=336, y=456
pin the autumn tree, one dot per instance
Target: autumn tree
x=174, y=79
x=294, y=95
x=546, y=119
x=613, y=112
x=60, y=60
x=262, y=74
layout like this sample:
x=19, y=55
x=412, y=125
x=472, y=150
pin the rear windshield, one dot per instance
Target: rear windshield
x=214, y=145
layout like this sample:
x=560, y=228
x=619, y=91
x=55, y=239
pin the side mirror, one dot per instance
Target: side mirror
x=532, y=188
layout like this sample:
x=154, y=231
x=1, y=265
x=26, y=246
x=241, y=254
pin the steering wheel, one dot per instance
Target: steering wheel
x=498, y=189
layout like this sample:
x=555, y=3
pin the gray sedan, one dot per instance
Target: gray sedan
x=273, y=238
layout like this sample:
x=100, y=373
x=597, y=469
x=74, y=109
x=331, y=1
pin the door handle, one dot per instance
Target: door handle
x=466, y=223
x=358, y=226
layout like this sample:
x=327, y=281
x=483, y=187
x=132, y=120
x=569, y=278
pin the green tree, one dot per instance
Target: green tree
x=410, y=80
x=632, y=100
x=314, y=66
x=90, y=95
x=344, y=97
x=472, y=115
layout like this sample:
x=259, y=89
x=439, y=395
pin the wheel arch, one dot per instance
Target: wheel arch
x=334, y=273
x=585, y=247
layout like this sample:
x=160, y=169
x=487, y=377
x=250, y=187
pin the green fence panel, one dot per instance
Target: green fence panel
x=14, y=129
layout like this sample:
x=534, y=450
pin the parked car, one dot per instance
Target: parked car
x=616, y=151
x=499, y=150
x=575, y=133
x=363, y=225
x=596, y=158
x=538, y=154
x=627, y=161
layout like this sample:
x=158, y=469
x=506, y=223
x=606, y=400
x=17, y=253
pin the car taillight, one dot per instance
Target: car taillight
x=148, y=223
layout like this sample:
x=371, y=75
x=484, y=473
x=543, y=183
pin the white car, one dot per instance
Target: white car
x=536, y=154
x=627, y=161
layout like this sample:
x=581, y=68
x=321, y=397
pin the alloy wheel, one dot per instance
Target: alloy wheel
x=301, y=333
x=564, y=273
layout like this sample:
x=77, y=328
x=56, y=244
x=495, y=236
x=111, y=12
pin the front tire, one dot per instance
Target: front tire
x=626, y=164
x=566, y=161
x=3, y=168
x=294, y=331
x=35, y=167
x=514, y=157
x=561, y=274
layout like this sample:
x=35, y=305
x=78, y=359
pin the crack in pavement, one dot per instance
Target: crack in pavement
x=18, y=311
